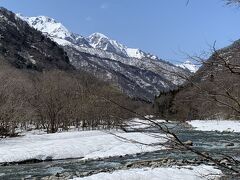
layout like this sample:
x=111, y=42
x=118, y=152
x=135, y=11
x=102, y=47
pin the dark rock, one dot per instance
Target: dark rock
x=229, y=144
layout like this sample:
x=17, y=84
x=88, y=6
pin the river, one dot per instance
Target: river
x=211, y=142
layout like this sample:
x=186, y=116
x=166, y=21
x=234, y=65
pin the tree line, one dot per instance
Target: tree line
x=55, y=99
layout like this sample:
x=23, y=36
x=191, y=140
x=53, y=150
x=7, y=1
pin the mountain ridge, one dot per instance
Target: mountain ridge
x=96, y=40
x=140, y=76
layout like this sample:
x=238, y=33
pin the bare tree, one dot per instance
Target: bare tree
x=14, y=109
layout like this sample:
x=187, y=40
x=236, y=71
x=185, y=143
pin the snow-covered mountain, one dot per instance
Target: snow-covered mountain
x=55, y=30
x=188, y=65
x=138, y=74
x=96, y=40
x=100, y=41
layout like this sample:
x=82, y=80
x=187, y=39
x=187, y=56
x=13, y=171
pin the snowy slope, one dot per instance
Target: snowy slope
x=49, y=26
x=188, y=65
x=100, y=41
x=55, y=30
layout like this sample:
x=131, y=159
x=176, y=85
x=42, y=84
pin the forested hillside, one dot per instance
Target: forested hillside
x=213, y=92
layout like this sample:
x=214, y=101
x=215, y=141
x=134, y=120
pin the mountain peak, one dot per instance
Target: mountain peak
x=97, y=34
x=47, y=25
x=55, y=30
x=188, y=65
x=38, y=19
x=60, y=34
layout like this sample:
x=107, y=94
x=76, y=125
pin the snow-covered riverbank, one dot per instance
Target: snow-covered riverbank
x=184, y=173
x=84, y=144
x=92, y=145
x=216, y=125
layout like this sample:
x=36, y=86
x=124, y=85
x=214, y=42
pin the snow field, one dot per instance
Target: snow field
x=82, y=144
x=216, y=125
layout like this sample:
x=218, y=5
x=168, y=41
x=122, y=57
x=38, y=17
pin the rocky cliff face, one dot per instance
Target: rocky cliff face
x=25, y=47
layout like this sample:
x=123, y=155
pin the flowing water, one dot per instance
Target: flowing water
x=211, y=142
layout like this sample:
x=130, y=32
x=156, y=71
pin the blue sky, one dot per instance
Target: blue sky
x=167, y=28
